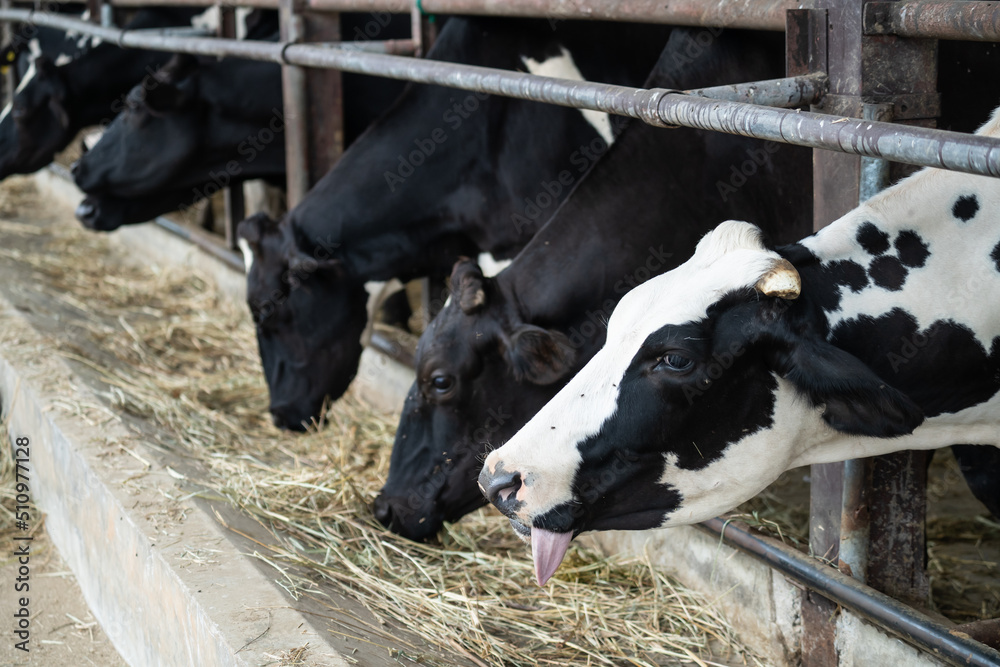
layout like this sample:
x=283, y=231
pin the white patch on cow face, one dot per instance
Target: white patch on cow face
x=207, y=20
x=490, y=265
x=545, y=451
x=247, y=254
x=63, y=59
x=90, y=140
x=28, y=76
x=563, y=67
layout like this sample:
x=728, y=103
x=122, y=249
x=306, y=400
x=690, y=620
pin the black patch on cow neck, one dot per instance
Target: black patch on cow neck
x=995, y=255
x=826, y=280
x=872, y=239
x=943, y=368
x=888, y=272
x=965, y=208
x=911, y=249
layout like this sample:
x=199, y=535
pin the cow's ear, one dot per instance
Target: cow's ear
x=251, y=230
x=537, y=355
x=302, y=262
x=468, y=286
x=855, y=399
x=164, y=97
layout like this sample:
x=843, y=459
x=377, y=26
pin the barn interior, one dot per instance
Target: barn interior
x=200, y=533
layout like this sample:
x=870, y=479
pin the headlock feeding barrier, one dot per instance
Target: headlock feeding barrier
x=832, y=46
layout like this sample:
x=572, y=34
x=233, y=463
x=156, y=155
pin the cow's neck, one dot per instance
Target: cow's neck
x=445, y=172
x=907, y=283
x=643, y=208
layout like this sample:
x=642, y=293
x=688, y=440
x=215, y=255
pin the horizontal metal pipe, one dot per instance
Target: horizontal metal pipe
x=967, y=21
x=394, y=47
x=900, y=143
x=758, y=15
x=258, y=4
x=203, y=240
x=911, y=625
x=908, y=144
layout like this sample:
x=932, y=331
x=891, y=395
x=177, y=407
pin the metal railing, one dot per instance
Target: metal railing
x=741, y=109
x=912, y=145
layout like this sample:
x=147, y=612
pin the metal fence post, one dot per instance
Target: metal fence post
x=293, y=84
x=233, y=195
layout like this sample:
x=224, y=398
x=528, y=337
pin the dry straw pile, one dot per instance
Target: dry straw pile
x=174, y=352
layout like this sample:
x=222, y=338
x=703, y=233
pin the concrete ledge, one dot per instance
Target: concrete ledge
x=157, y=572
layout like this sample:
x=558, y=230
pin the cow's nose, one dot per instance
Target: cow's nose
x=499, y=488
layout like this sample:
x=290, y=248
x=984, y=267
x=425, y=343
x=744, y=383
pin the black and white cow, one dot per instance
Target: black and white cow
x=57, y=98
x=877, y=334
x=444, y=173
x=205, y=123
x=501, y=348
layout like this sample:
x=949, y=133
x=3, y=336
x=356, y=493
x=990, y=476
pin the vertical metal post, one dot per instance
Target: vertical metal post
x=293, y=84
x=855, y=517
x=853, y=522
x=10, y=74
x=807, y=50
x=324, y=99
x=232, y=195
x=897, y=560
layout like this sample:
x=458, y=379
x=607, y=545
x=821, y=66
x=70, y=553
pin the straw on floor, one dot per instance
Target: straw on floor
x=174, y=351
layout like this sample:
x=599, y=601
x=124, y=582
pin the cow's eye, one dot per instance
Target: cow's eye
x=677, y=363
x=442, y=383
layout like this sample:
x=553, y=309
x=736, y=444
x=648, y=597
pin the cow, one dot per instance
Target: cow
x=444, y=173
x=879, y=333
x=501, y=348
x=54, y=101
x=203, y=124
x=194, y=122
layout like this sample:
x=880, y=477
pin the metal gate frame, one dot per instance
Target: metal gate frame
x=829, y=42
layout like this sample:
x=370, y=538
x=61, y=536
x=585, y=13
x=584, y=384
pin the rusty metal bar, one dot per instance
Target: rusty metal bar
x=295, y=105
x=203, y=240
x=911, y=625
x=761, y=15
x=911, y=145
x=966, y=21
x=395, y=47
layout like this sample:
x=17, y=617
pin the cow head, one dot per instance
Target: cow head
x=38, y=123
x=481, y=372
x=105, y=213
x=162, y=124
x=711, y=384
x=310, y=314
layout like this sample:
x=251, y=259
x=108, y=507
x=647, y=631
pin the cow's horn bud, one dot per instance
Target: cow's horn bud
x=782, y=280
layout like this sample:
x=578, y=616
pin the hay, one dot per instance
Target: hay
x=171, y=350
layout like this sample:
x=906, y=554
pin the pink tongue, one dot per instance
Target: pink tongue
x=548, y=549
